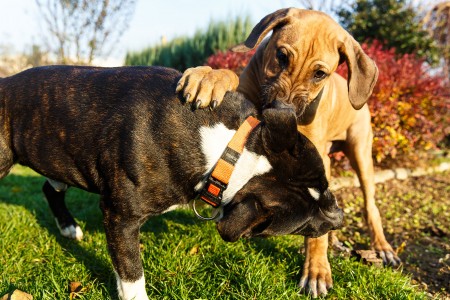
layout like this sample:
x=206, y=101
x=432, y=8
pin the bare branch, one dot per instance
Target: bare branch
x=81, y=30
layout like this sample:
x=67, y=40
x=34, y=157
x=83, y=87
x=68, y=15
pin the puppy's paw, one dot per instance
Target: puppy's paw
x=72, y=231
x=203, y=86
x=387, y=254
x=389, y=258
x=316, y=279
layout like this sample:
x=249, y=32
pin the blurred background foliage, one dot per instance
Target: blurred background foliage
x=184, y=52
x=393, y=22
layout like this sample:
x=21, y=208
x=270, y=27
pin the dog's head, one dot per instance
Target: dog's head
x=291, y=196
x=305, y=48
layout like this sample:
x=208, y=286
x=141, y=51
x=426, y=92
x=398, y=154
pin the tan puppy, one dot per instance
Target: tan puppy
x=296, y=65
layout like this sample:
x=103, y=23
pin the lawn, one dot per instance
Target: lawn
x=185, y=258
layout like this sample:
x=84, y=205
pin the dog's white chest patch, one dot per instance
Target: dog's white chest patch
x=214, y=140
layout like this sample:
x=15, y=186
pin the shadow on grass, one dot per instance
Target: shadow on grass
x=25, y=191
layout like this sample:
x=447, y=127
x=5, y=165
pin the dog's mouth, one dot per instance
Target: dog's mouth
x=301, y=229
x=272, y=95
x=258, y=230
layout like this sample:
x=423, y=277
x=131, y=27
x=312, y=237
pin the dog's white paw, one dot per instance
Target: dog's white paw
x=128, y=290
x=71, y=231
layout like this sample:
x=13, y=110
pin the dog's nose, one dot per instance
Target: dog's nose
x=336, y=219
x=333, y=213
x=330, y=221
x=278, y=104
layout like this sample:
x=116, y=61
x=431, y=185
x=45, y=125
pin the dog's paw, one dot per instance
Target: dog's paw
x=339, y=246
x=316, y=279
x=72, y=231
x=389, y=257
x=387, y=254
x=203, y=86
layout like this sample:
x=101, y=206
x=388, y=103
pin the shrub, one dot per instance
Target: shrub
x=235, y=61
x=409, y=104
x=185, y=52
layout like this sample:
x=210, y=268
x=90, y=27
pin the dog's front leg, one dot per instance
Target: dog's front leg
x=122, y=235
x=316, y=278
x=205, y=86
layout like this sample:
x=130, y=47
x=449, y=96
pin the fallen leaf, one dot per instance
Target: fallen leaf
x=75, y=287
x=400, y=248
x=369, y=257
x=194, y=250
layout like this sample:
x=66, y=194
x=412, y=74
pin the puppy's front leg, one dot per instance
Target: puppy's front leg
x=122, y=235
x=316, y=278
x=205, y=86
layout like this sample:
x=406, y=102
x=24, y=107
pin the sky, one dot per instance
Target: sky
x=20, y=25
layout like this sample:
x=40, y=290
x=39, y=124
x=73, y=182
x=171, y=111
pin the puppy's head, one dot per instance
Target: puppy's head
x=292, y=196
x=305, y=48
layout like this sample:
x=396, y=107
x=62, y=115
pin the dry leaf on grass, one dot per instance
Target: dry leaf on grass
x=369, y=257
x=194, y=250
x=75, y=288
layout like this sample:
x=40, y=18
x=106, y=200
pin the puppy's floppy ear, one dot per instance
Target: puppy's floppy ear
x=261, y=29
x=279, y=131
x=362, y=71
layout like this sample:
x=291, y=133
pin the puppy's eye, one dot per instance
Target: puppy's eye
x=282, y=57
x=319, y=75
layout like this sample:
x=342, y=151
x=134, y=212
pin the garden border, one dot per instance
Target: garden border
x=388, y=174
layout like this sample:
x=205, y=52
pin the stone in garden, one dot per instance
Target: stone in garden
x=17, y=295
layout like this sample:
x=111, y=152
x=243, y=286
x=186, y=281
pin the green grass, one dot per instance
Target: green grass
x=184, y=258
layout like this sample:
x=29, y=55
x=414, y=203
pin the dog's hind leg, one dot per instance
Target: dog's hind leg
x=54, y=193
x=6, y=158
x=359, y=152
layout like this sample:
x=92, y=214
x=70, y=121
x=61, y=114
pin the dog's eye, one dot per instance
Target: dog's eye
x=282, y=58
x=319, y=75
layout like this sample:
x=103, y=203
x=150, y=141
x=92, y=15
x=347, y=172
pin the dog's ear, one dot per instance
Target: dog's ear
x=362, y=71
x=269, y=22
x=279, y=131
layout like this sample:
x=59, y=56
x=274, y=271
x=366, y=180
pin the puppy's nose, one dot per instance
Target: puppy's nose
x=278, y=104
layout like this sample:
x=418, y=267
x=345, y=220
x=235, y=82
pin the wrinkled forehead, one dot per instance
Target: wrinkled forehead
x=310, y=38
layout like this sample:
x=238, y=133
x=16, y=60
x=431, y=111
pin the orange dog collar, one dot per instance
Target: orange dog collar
x=219, y=178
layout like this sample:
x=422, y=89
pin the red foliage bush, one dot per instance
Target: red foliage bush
x=409, y=105
x=235, y=61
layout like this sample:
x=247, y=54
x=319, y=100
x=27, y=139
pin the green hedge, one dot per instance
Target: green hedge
x=184, y=52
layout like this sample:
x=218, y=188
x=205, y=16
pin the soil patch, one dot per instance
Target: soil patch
x=416, y=220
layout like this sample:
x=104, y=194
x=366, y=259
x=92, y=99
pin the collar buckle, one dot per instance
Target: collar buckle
x=212, y=192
